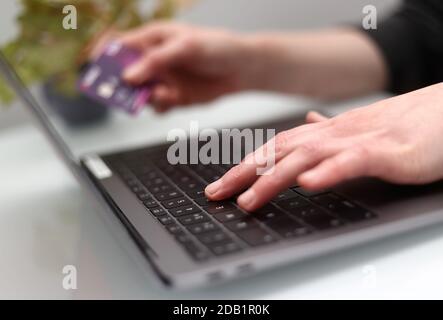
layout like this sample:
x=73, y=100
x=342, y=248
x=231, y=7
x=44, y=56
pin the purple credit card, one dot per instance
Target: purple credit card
x=102, y=80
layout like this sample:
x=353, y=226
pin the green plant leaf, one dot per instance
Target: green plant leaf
x=43, y=49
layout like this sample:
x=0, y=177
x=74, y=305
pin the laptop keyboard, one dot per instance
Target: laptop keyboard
x=174, y=195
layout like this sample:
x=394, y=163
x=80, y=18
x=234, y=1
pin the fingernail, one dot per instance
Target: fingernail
x=247, y=199
x=214, y=187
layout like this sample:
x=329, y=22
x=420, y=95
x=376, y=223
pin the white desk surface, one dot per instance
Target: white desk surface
x=46, y=223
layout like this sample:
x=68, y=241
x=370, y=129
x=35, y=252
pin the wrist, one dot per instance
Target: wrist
x=256, y=63
x=271, y=62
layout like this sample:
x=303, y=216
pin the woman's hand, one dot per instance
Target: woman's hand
x=191, y=65
x=194, y=64
x=399, y=140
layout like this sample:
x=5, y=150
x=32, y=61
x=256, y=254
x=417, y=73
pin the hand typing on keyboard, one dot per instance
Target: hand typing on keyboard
x=397, y=140
x=174, y=196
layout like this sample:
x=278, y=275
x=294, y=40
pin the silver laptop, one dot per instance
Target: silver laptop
x=188, y=241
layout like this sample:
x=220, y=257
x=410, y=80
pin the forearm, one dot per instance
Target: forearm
x=330, y=64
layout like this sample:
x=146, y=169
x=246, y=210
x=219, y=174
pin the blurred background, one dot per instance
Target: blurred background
x=50, y=222
x=243, y=15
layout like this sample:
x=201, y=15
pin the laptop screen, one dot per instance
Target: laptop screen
x=48, y=60
x=77, y=123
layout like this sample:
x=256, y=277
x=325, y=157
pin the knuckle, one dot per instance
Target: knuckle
x=361, y=152
x=273, y=181
x=361, y=158
x=334, y=122
x=152, y=59
x=339, y=169
x=235, y=172
x=250, y=159
x=281, y=141
x=335, y=166
x=310, y=148
x=189, y=42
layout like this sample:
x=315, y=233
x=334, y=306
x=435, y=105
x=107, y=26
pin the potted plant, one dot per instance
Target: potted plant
x=44, y=51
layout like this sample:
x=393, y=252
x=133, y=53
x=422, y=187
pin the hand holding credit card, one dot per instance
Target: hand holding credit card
x=102, y=80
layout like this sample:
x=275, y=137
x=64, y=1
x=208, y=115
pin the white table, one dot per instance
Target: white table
x=46, y=223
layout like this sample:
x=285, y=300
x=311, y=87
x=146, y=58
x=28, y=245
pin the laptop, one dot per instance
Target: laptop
x=188, y=241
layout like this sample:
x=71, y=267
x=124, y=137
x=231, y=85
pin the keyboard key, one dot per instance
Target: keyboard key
x=213, y=178
x=150, y=204
x=132, y=182
x=160, y=188
x=168, y=195
x=287, y=227
x=167, y=168
x=173, y=228
x=192, y=186
x=307, y=193
x=224, y=248
x=144, y=196
x=182, y=237
x=203, y=201
x=229, y=216
x=196, y=251
x=153, y=182
x=288, y=194
x=163, y=164
x=319, y=219
x=203, y=227
x=179, y=202
x=195, y=194
x=327, y=201
x=142, y=170
x=165, y=220
x=268, y=213
x=193, y=219
x=306, y=211
x=182, y=211
x=149, y=176
x=256, y=236
x=293, y=203
x=213, y=237
x=137, y=189
x=207, y=173
x=242, y=224
x=183, y=180
x=343, y=208
x=353, y=212
x=157, y=211
x=217, y=207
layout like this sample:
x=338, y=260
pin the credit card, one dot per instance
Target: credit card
x=102, y=80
